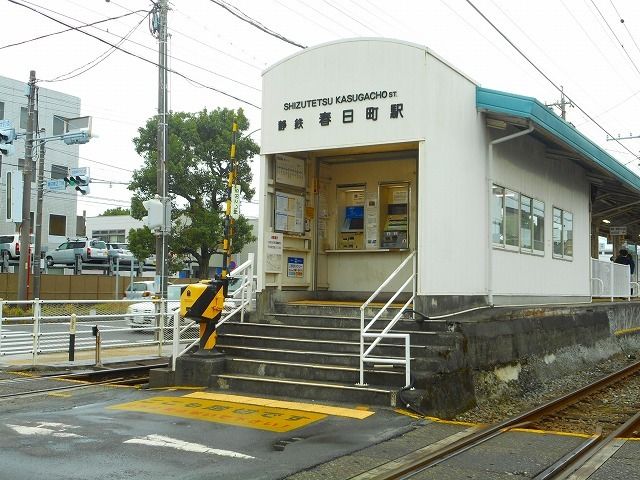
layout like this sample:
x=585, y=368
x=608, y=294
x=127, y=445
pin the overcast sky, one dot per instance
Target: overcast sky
x=590, y=47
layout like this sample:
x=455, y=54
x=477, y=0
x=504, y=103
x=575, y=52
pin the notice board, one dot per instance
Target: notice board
x=289, y=213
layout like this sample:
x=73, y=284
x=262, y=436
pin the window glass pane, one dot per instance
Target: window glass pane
x=526, y=241
x=557, y=231
x=511, y=218
x=58, y=125
x=567, y=233
x=1, y=110
x=538, y=225
x=57, y=225
x=497, y=215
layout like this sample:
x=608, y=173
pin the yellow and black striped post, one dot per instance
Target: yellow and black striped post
x=228, y=219
x=203, y=302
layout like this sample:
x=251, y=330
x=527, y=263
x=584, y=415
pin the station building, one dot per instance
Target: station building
x=373, y=149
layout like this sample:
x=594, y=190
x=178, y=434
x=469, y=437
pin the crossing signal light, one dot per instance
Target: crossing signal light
x=7, y=136
x=155, y=211
x=79, y=182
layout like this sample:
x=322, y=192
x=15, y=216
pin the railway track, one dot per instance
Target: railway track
x=29, y=386
x=411, y=465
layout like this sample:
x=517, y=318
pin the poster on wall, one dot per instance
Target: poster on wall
x=289, y=213
x=273, y=251
x=295, y=267
x=290, y=171
x=371, y=221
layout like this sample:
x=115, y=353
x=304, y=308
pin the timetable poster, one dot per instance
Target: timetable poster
x=290, y=171
x=289, y=213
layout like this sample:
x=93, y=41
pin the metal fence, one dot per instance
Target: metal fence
x=91, y=331
x=612, y=280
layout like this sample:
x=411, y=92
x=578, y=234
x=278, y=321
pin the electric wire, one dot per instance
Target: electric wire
x=616, y=37
x=539, y=70
x=328, y=17
x=306, y=17
x=343, y=12
x=246, y=18
x=625, y=26
x=138, y=56
x=67, y=30
x=96, y=61
x=186, y=62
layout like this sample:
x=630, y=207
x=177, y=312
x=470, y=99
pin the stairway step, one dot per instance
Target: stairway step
x=387, y=347
x=323, y=358
x=342, y=321
x=316, y=372
x=319, y=391
x=334, y=333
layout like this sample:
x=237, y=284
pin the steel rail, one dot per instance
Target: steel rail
x=414, y=465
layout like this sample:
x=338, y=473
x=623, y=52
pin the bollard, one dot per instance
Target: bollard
x=72, y=337
x=96, y=333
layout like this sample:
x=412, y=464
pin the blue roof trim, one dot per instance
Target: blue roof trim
x=542, y=117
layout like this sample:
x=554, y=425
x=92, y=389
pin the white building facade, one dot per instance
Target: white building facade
x=375, y=148
x=59, y=219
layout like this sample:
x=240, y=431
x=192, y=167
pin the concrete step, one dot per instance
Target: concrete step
x=334, y=333
x=298, y=356
x=324, y=319
x=387, y=347
x=392, y=377
x=319, y=391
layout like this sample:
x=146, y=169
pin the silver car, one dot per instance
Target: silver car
x=89, y=251
x=119, y=253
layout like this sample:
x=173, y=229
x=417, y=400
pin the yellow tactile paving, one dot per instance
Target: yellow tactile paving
x=266, y=402
x=229, y=413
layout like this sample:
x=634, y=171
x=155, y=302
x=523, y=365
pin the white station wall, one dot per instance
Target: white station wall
x=317, y=79
x=521, y=165
x=452, y=187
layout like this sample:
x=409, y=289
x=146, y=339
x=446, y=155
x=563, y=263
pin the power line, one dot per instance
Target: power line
x=343, y=12
x=246, y=18
x=546, y=77
x=67, y=30
x=136, y=56
x=96, y=61
x=625, y=26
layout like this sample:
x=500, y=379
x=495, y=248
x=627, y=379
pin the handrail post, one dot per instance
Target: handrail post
x=176, y=339
x=163, y=311
x=613, y=267
x=2, y=304
x=414, y=284
x=361, y=347
x=407, y=359
x=36, y=330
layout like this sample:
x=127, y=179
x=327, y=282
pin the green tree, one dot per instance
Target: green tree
x=197, y=170
x=115, y=211
x=141, y=243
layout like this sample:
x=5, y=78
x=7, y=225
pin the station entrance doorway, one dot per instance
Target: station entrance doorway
x=341, y=220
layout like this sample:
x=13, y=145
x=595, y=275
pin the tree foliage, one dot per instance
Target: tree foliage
x=115, y=212
x=197, y=170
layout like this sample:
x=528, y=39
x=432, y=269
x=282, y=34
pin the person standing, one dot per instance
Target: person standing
x=625, y=259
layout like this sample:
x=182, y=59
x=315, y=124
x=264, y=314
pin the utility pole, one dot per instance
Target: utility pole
x=161, y=182
x=561, y=104
x=25, y=227
x=38, y=241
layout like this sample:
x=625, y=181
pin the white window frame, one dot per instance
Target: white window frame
x=564, y=233
x=501, y=216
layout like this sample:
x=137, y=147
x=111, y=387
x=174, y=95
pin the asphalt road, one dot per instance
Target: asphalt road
x=81, y=436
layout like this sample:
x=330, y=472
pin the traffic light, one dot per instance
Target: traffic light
x=7, y=136
x=79, y=182
x=155, y=211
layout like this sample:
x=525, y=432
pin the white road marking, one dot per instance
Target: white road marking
x=162, y=441
x=42, y=429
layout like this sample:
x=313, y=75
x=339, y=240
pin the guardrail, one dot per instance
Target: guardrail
x=613, y=280
x=365, y=330
x=57, y=329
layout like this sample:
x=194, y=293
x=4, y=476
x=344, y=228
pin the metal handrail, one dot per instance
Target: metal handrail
x=365, y=329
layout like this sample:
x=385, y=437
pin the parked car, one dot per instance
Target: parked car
x=142, y=289
x=10, y=246
x=119, y=253
x=143, y=314
x=89, y=250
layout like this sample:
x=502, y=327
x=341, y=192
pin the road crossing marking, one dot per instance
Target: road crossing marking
x=229, y=413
